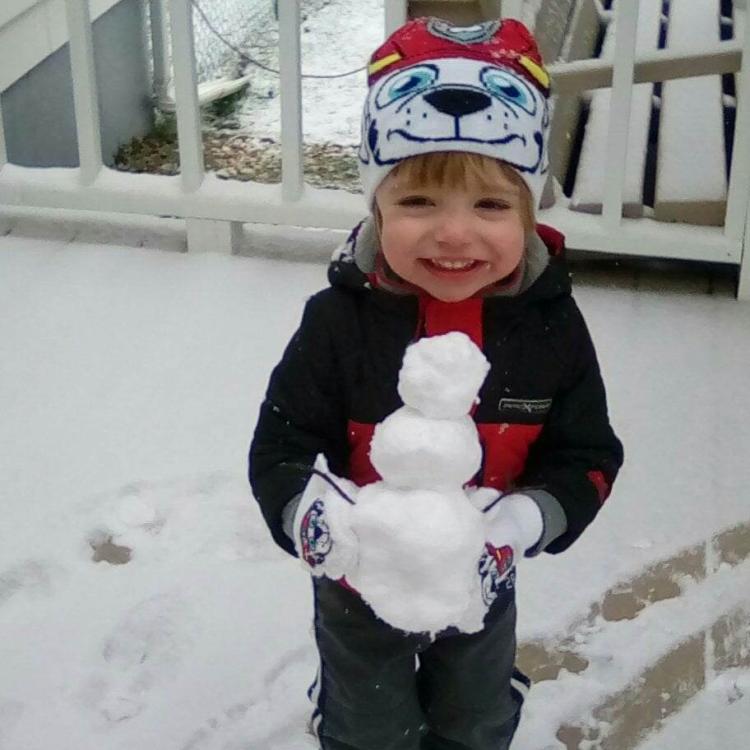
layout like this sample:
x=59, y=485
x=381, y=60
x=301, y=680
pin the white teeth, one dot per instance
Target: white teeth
x=452, y=265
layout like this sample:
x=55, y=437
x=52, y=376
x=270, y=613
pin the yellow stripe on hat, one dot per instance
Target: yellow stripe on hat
x=539, y=73
x=378, y=65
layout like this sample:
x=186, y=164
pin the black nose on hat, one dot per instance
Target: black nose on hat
x=458, y=102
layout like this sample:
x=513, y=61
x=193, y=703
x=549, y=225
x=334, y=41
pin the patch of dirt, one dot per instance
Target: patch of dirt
x=242, y=157
x=105, y=550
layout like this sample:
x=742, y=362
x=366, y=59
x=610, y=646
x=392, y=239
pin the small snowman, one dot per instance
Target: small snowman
x=420, y=536
x=413, y=544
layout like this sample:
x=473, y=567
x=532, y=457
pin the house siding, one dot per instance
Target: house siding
x=38, y=113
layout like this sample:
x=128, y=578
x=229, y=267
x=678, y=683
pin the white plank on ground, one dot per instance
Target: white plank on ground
x=691, y=184
x=590, y=177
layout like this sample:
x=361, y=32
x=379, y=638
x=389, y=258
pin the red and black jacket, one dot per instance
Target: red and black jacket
x=542, y=415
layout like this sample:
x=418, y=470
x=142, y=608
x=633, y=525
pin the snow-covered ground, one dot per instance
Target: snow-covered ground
x=130, y=380
x=337, y=36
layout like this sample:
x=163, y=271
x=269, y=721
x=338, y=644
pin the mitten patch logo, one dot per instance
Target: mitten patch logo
x=315, y=537
x=495, y=568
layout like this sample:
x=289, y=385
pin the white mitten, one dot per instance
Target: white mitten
x=323, y=535
x=514, y=524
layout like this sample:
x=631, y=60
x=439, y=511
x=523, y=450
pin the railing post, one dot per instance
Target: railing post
x=85, y=98
x=626, y=29
x=159, y=48
x=292, y=183
x=203, y=235
x=396, y=13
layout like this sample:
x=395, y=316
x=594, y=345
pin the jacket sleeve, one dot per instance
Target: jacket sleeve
x=301, y=416
x=577, y=456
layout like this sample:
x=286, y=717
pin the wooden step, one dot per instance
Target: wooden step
x=691, y=182
x=590, y=177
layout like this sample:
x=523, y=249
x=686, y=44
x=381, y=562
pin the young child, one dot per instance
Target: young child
x=453, y=161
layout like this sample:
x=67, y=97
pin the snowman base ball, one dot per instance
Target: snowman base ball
x=435, y=585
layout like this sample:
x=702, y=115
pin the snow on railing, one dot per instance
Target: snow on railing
x=214, y=208
x=590, y=177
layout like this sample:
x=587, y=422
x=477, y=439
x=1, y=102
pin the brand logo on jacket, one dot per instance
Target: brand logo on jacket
x=526, y=405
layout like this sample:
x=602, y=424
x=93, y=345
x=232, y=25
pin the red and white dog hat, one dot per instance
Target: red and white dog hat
x=438, y=87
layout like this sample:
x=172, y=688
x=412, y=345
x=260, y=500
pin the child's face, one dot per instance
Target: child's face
x=451, y=242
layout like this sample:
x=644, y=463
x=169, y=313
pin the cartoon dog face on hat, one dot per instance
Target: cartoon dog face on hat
x=417, y=109
x=480, y=95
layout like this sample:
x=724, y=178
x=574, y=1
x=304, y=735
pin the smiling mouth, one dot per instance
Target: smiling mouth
x=451, y=265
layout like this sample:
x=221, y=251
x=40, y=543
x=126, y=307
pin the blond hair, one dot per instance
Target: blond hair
x=460, y=169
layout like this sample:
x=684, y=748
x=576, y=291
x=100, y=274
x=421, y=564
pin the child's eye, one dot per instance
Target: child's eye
x=415, y=200
x=492, y=204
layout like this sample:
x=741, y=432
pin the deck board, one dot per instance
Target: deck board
x=691, y=183
x=590, y=177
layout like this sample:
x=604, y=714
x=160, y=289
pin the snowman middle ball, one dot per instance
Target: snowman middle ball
x=412, y=451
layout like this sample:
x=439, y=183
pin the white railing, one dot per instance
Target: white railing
x=214, y=208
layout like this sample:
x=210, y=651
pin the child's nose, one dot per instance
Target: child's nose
x=453, y=229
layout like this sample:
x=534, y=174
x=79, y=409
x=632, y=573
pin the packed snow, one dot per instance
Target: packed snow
x=130, y=383
x=429, y=442
x=419, y=554
x=442, y=375
x=420, y=536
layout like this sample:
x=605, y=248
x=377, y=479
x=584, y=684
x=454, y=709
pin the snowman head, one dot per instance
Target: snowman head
x=441, y=375
x=432, y=442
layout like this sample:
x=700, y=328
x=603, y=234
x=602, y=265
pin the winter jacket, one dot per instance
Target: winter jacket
x=542, y=412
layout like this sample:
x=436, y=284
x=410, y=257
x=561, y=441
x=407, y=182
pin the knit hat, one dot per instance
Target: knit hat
x=438, y=87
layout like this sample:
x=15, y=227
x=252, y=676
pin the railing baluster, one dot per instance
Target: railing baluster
x=739, y=183
x=395, y=15
x=186, y=95
x=159, y=47
x=3, y=151
x=743, y=283
x=626, y=18
x=85, y=98
x=292, y=179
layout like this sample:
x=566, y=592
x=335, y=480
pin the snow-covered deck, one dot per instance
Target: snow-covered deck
x=130, y=382
x=213, y=209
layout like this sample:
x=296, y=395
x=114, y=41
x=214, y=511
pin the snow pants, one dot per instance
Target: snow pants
x=379, y=688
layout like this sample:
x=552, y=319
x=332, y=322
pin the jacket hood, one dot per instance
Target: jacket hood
x=545, y=274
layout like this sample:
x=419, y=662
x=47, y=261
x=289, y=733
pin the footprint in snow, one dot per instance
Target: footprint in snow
x=28, y=576
x=212, y=515
x=145, y=648
x=253, y=723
